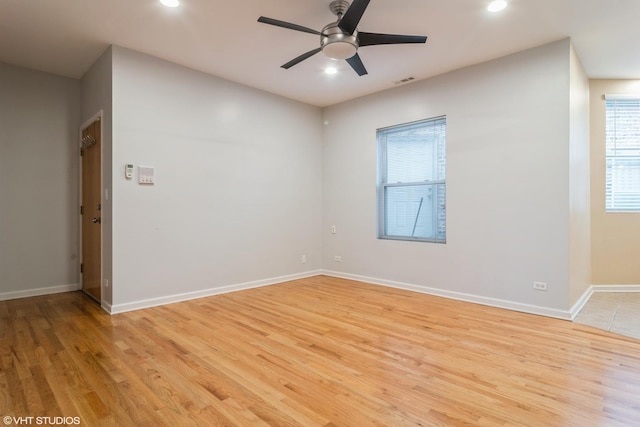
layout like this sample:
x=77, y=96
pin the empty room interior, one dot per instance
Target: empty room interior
x=320, y=213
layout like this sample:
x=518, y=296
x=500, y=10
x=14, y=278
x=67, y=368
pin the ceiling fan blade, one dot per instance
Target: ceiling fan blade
x=288, y=25
x=351, y=18
x=301, y=58
x=369, y=39
x=357, y=65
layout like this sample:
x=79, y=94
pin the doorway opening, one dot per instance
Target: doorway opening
x=91, y=208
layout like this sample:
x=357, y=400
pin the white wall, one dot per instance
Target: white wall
x=237, y=197
x=507, y=182
x=579, y=185
x=97, y=98
x=39, y=115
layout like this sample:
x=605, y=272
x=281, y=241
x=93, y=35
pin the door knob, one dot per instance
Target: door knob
x=96, y=220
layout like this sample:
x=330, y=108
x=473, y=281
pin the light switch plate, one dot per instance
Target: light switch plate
x=146, y=175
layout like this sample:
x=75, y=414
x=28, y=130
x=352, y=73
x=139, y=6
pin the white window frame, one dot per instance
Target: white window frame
x=622, y=117
x=438, y=187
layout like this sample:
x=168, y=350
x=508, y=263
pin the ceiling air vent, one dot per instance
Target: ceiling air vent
x=406, y=80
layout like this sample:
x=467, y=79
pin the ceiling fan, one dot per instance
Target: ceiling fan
x=341, y=39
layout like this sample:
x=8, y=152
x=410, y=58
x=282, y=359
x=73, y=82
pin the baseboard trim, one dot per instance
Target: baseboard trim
x=616, y=288
x=171, y=299
x=39, y=291
x=493, y=302
x=106, y=307
x=579, y=305
x=460, y=296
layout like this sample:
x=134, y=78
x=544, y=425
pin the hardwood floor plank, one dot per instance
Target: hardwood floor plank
x=313, y=352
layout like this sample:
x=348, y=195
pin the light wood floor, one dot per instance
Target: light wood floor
x=314, y=352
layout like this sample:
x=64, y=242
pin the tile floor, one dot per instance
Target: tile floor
x=617, y=312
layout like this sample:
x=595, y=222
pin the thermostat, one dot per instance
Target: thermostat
x=128, y=171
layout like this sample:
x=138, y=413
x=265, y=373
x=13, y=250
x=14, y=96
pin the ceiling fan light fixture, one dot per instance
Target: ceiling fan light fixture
x=339, y=49
x=336, y=44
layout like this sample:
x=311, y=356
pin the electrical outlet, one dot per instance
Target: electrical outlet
x=106, y=283
x=333, y=229
x=303, y=259
x=337, y=258
x=540, y=286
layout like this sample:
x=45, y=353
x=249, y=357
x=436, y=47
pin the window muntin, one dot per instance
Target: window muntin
x=411, y=181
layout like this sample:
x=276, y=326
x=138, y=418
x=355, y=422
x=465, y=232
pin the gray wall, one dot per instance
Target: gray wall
x=248, y=182
x=237, y=197
x=39, y=119
x=507, y=183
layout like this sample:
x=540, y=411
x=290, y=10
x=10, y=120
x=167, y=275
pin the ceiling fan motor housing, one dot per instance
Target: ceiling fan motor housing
x=337, y=44
x=339, y=7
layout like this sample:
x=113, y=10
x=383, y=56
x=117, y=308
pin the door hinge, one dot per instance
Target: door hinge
x=81, y=267
x=81, y=210
x=81, y=152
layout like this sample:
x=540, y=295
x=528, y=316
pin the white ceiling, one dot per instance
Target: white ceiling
x=224, y=39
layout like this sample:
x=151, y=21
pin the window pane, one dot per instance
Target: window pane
x=416, y=154
x=623, y=154
x=416, y=211
x=411, y=181
x=623, y=183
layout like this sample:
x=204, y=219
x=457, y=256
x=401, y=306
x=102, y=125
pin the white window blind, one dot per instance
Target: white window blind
x=411, y=181
x=622, y=153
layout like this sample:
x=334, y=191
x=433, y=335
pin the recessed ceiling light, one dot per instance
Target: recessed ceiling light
x=331, y=70
x=497, y=5
x=170, y=3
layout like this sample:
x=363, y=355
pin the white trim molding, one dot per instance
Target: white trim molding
x=579, y=305
x=616, y=288
x=39, y=291
x=493, y=302
x=106, y=307
x=613, y=96
x=170, y=299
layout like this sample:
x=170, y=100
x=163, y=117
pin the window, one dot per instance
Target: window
x=411, y=181
x=623, y=153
